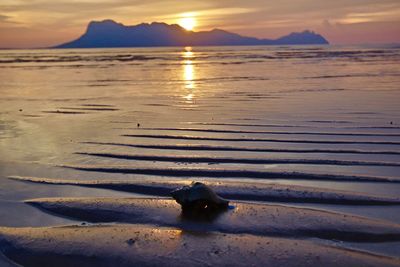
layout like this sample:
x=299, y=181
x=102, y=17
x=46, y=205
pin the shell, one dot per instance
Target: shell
x=199, y=196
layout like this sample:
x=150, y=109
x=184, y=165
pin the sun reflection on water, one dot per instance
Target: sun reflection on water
x=188, y=74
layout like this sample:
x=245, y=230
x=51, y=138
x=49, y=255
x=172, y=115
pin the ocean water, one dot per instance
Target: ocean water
x=301, y=111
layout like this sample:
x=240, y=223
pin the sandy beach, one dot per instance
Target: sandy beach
x=303, y=140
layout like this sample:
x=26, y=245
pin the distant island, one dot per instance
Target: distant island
x=108, y=33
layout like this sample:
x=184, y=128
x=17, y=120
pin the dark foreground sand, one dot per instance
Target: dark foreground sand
x=256, y=219
x=154, y=232
x=136, y=245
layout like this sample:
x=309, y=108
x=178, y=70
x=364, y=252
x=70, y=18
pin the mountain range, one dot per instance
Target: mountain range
x=108, y=33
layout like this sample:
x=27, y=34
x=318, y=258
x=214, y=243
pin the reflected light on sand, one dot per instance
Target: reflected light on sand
x=188, y=74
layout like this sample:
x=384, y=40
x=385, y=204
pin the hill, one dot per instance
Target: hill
x=109, y=33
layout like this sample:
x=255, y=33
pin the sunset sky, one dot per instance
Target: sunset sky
x=41, y=23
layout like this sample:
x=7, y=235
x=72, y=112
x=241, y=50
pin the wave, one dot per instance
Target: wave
x=64, y=112
x=347, y=54
x=268, y=132
x=223, y=173
x=201, y=138
x=209, y=56
x=330, y=121
x=247, y=149
x=97, y=105
x=55, y=59
x=230, y=190
x=291, y=125
x=215, y=160
x=357, y=75
x=91, y=108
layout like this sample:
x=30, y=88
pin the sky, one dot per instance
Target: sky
x=43, y=23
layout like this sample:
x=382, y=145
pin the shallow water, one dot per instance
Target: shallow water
x=302, y=103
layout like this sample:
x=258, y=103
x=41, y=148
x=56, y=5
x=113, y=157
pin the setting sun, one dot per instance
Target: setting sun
x=188, y=23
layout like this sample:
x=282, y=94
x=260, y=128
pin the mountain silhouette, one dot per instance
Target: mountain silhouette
x=108, y=33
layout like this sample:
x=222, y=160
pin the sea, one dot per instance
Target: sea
x=326, y=117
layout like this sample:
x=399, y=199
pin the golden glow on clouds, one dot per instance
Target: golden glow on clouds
x=362, y=17
x=41, y=23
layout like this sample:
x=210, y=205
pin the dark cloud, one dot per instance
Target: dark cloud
x=3, y=18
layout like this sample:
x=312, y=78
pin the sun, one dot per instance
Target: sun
x=189, y=23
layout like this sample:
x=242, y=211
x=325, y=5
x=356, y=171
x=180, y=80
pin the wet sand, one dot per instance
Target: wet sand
x=309, y=158
x=138, y=245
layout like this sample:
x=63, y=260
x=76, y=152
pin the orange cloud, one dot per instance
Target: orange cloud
x=38, y=23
